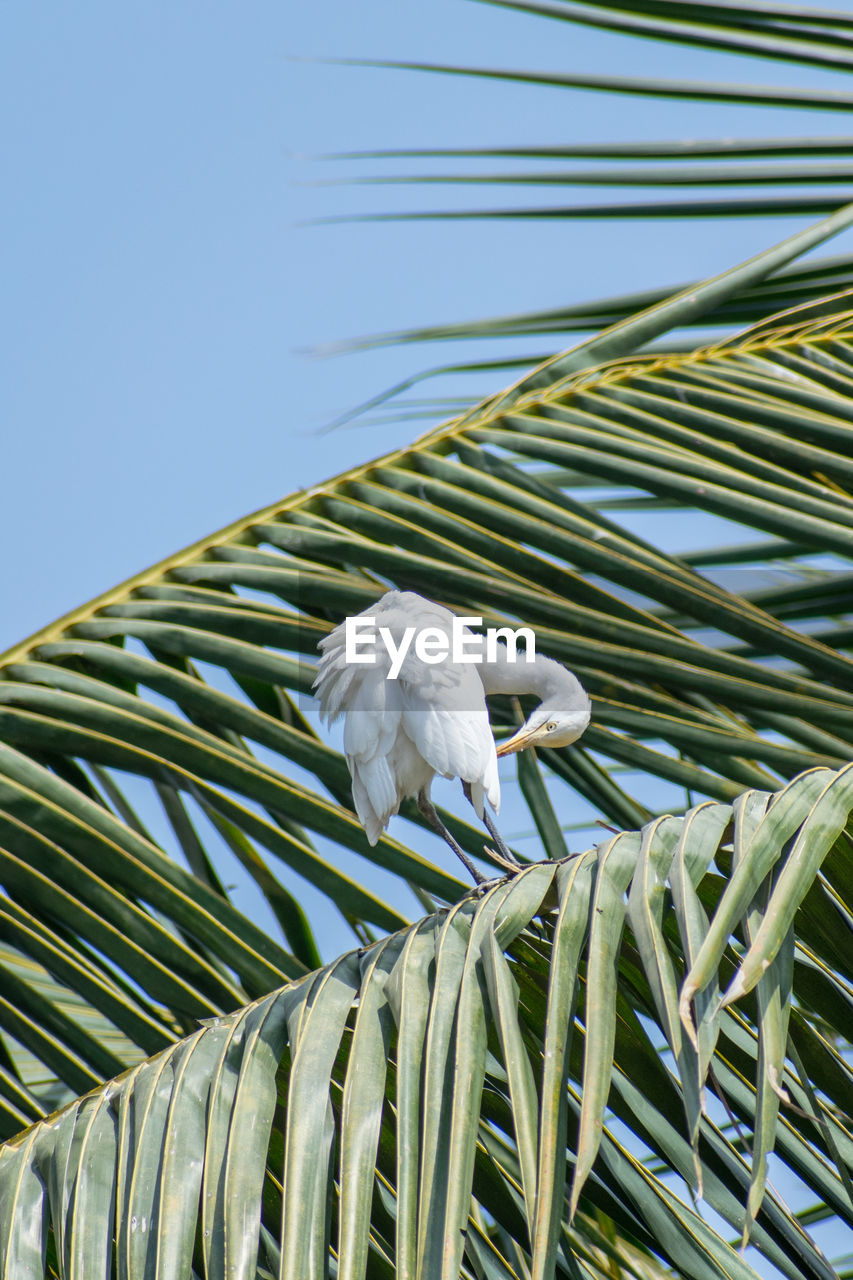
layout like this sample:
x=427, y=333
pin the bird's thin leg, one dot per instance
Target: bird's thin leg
x=503, y=847
x=507, y=858
x=427, y=808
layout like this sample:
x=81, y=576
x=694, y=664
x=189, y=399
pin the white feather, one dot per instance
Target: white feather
x=398, y=734
x=433, y=719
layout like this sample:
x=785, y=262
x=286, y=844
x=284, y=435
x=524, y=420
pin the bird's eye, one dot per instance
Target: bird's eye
x=552, y=726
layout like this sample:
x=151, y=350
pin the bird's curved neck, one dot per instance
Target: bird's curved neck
x=543, y=676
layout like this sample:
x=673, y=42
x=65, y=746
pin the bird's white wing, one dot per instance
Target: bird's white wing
x=398, y=733
x=445, y=715
x=372, y=708
x=335, y=676
x=338, y=681
x=371, y=732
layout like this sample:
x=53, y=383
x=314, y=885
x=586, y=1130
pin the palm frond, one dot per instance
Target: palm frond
x=431, y=1087
x=193, y=678
x=654, y=184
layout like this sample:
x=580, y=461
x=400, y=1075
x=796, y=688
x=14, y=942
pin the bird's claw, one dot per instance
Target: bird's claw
x=483, y=886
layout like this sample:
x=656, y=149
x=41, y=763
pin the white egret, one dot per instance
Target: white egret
x=431, y=717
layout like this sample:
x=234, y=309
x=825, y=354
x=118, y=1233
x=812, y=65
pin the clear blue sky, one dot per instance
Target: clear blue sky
x=158, y=288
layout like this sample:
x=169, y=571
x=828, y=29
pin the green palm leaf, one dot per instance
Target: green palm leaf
x=753, y=34
x=179, y=1143
x=192, y=678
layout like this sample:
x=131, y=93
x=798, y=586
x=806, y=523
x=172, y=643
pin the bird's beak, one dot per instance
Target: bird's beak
x=523, y=738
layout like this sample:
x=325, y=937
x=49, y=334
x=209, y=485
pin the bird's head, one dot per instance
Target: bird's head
x=550, y=725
